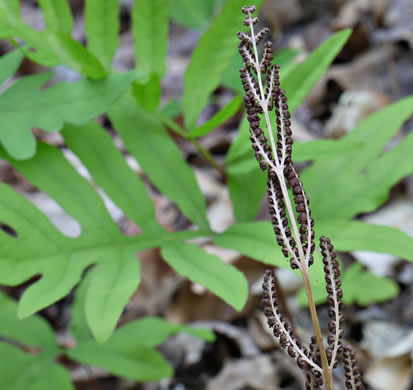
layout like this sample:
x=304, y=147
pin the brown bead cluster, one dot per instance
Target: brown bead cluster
x=297, y=242
x=249, y=82
x=279, y=219
x=281, y=329
x=285, y=141
x=246, y=53
x=351, y=370
x=314, y=379
x=258, y=138
x=248, y=11
x=250, y=86
x=280, y=222
x=314, y=351
x=333, y=287
x=304, y=219
x=245, y=38
x=273, y=82
x=260, y=36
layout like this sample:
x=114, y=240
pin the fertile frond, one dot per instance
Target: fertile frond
x=260, y=80
x=280, y=222
x=335, y=294
x=294, y=229
x=281, y=329
x=314, y=379
x=352, y=372
x=304, y=219
x=314, y=351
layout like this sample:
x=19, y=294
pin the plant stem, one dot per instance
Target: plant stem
x=209, y=158
x=328, y=378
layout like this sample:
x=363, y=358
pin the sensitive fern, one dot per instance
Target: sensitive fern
x=294, y=230
x=352, y=372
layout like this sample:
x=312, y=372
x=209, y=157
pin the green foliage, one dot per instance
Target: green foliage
x=299, y=81
x=150, y=32
x=110, y=287
x=111, y=172
x=218, y=119
x=9, y=17
x=359, y=287
x=129, y=353
x=31, y=332
x=246, y=203
x=216, y=48
x=60, y=268
x=359, y=182
x=9, y=65
x=53, y=46
x=140, y=363
x=102, y=29
x=160, y=158
x=60, y=260
x=21, y=371
x=24, y=105
x=208, y=270
x=352, y=184
x=254, y=239
x=194, y=14
x=348, y=176
x=57, y=48
x=57, y=15
x=363, y=287
x=342, y=182
x=356, y=178
x=247, y=185
x=148, y=93
x=324, y=149
x=356, y=235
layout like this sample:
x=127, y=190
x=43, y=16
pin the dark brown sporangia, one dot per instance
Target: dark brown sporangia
x=266, y=103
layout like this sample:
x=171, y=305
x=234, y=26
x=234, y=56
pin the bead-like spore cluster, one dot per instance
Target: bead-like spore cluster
x=261, y=82
x=294, y=229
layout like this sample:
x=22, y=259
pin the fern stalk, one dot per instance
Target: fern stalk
x=294, y=232
x=327, y=371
